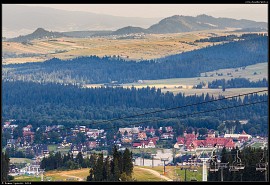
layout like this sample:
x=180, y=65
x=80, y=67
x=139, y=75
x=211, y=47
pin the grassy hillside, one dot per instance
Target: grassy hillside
x=149, y=47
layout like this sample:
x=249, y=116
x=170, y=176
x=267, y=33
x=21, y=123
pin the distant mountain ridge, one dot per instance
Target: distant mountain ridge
x=173, y=24
x=180, y=23
x=21, y=20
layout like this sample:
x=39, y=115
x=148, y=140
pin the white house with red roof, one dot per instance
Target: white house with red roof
x=150, y=143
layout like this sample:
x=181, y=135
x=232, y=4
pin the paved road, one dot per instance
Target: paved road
x=156, y=174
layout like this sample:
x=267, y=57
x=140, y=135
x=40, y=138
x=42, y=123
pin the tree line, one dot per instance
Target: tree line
x=231, y=38
x=117, y=167
x=237, y=83
x=58, y=161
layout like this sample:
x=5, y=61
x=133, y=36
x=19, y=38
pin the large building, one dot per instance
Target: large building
x=240, y=137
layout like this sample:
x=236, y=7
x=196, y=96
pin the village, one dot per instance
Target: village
x=89, y=141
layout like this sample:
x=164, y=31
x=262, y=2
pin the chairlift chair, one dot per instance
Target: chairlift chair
x=239, y=165
x=213, y=164
x=261, y=166
x=233, y=169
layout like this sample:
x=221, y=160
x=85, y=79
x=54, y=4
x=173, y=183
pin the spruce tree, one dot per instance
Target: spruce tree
x=98, y=168
x=127, y=161
x=116, y=171
x=5, y=166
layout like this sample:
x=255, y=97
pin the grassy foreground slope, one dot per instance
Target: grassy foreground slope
x=173, y=172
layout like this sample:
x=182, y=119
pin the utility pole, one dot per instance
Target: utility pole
x=204, y=170
x=143, y=157
x=153, y=159
x=164, y=160
x=222, y=166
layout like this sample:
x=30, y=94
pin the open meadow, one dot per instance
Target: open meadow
x=150, y=46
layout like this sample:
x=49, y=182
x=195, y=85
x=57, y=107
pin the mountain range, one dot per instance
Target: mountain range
x=21, y=20
x=180, y=23
x=173, y=24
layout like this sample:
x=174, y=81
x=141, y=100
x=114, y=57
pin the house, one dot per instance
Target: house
x=26, y=129
x=126, y=140
x=230, y=144
x=142, y=136
x=28, y=137
x=150, y=143
x=166, y=136
x=65, y=143
x=75, y=149
x=169, y=129
x=180, y=141
x=130, y=131
x=41, y=150
x=94, y=133
x=211, y=133
x=189, y=136
x=11, y=142
x=91, y=144
x=82, y=128
x=241, y=137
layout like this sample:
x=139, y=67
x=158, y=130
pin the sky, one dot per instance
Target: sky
x=256, y=12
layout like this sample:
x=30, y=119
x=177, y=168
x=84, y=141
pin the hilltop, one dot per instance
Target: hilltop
x=39, y=33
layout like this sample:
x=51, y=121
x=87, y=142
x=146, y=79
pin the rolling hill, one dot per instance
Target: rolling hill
x=39, y=33
x=180, y=23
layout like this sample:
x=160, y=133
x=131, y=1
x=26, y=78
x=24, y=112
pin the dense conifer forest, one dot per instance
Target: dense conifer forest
x=69, y=105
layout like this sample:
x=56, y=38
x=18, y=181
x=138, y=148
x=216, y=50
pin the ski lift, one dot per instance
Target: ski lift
x=213, y=164
x=261, y=166
x=237, y=164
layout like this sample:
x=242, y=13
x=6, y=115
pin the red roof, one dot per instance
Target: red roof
x=230, y=144
x=153, y=140
x=180, y=139
x=190, y=136
x=136, y=144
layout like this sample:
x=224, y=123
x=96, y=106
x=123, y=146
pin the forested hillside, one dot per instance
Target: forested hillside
x=53, y=103
x=92, y=69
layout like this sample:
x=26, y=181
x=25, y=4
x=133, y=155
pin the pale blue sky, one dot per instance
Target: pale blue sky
x=257, y=12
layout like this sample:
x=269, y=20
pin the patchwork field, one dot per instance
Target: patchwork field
x=149, y=47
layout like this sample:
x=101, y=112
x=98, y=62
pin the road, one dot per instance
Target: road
x=157, y=174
